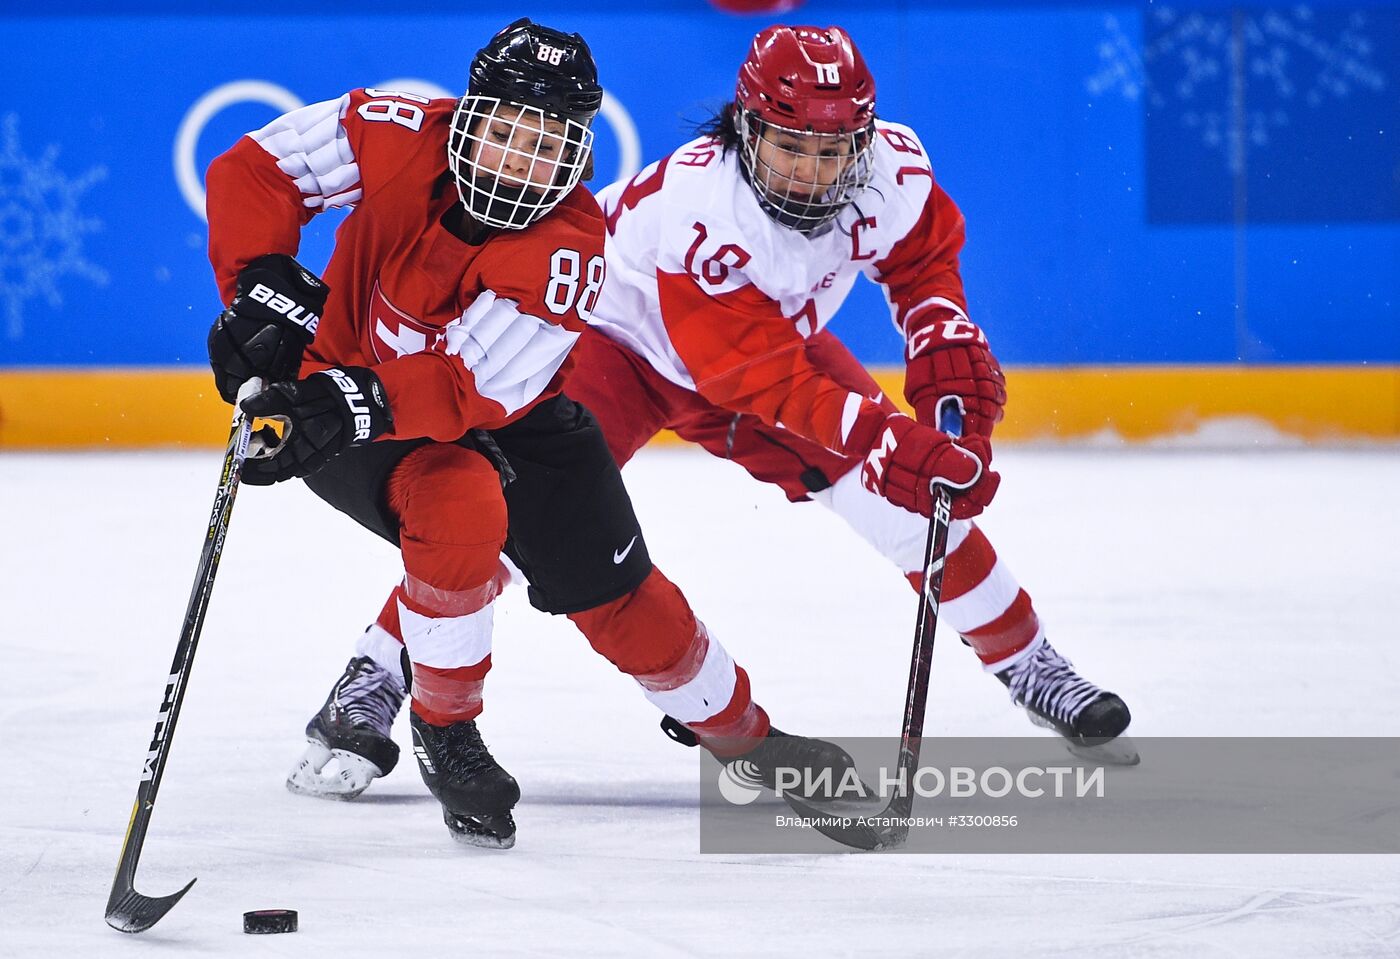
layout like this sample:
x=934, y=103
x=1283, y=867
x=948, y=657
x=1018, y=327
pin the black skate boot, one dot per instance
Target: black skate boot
x=352, y=728
x=825, y=771
x=1090, y=719
x=477, y=795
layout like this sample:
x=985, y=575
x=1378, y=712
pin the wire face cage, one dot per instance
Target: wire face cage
x=514, y=163
x=803, y=180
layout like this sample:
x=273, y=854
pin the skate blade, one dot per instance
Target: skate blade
x=484, y=832
x=351, y=775
x=1121, y=751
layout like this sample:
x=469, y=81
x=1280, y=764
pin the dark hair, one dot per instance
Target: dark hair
x=720, y=125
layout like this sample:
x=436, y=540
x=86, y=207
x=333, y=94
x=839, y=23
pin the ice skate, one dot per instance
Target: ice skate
x=349, y=744
x=825, y=767
x=827, y=771
x=1090, y=719
x=477, y=795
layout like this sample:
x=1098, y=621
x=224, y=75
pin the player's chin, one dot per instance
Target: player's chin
x=808, y=202
x=804, y=207
x=503, y=200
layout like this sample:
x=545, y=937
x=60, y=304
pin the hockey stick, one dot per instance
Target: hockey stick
x=127, y=909
x=842, y=820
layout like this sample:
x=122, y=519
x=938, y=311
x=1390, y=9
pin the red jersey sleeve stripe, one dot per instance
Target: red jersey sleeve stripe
x=923, y=266
x=253, y=209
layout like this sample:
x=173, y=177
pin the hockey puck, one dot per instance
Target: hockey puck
x=263, y=921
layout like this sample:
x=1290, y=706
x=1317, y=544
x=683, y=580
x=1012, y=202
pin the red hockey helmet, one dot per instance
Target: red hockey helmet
x=809, y=79
x=805, y=113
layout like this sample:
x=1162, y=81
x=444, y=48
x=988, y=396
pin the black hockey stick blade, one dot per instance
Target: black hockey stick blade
x=849, y=822
x=129, y=911
x=866, y=824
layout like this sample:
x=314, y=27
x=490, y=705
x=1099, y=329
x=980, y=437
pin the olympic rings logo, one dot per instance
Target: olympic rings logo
x=191, y=184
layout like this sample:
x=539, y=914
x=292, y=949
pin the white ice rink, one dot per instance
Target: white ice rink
x=1221, y=593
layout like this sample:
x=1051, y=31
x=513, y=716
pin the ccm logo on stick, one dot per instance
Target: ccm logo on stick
x=148, y=770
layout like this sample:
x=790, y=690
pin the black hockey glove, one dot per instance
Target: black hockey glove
x=271, y=320
x=322, y=415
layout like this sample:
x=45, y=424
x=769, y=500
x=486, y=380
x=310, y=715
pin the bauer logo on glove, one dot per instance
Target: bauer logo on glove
x=269, y=324
x=285, y=305
x=355, y=399
x=322, y=415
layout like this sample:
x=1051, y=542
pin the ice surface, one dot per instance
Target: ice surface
x=1220, y=593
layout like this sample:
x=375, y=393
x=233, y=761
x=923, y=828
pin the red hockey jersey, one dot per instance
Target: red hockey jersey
x=462, y=336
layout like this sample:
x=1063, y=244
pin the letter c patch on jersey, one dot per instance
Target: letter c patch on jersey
x=393, y=333
x=857, y=251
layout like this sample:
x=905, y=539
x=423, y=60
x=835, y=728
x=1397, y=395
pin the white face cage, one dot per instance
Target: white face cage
x=514, y=163
x=803, y=180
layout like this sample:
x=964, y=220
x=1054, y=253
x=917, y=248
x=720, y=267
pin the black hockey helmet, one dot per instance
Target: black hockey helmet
x=532, y=64
x=521, y=138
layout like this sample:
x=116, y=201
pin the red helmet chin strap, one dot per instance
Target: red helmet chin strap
x=807, y=78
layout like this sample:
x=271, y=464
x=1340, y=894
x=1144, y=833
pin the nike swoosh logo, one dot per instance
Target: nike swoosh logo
x=621, y=554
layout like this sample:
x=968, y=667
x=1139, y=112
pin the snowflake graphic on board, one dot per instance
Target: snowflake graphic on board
x=1202, y=63
x=41, y=227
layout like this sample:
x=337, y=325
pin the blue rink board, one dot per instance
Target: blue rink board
x=1205, y=185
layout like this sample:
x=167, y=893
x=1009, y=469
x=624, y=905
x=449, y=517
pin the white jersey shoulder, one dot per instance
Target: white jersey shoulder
x=310, y=146
x=893, y=203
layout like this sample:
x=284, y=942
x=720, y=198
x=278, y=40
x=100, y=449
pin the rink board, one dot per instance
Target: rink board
x=74, y=408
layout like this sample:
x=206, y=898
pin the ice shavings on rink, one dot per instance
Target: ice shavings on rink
x=1221, y=593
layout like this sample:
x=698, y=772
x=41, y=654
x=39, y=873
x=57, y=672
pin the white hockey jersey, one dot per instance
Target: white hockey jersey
x=719, y=298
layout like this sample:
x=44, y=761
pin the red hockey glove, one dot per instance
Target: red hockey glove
x=908, y=457
x=949, y=357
